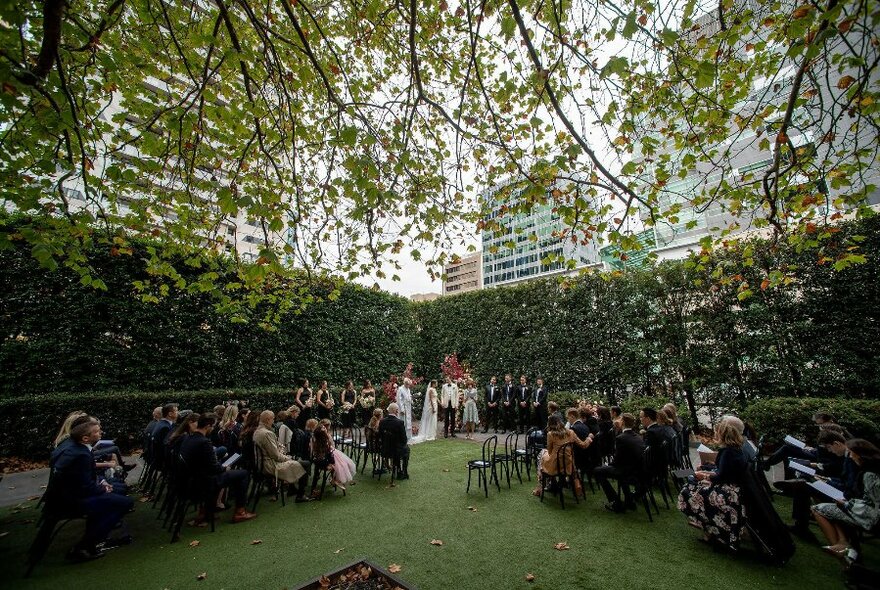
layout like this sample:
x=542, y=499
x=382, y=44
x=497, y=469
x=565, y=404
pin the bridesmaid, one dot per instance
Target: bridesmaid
x=349, y=408
x=368, y=392
x=325, y=401
x=305, y=402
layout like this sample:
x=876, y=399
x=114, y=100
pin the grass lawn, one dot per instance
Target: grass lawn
x=508, y=535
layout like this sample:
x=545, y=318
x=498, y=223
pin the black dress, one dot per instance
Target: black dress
x=323, y=396
x=306, y=412
x=348, y=397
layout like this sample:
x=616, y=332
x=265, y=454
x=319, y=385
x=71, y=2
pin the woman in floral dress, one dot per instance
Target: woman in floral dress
x=714, y=502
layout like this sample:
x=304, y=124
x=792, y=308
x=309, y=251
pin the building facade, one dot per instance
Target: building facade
x=463, y=275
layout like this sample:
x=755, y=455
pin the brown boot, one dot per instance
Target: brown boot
x=241, y=515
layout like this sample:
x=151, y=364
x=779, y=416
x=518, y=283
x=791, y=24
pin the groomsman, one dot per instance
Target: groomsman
x=508, y=403
x=449, y=404
x=523, y=398
x=493, y=398
x=539, y=404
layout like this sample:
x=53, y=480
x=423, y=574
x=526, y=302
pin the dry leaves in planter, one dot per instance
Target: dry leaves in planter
x=561, y=546
x=394, y=568
x=436, y=542
x=530, y=577
x=194, y=543
x=202, y=576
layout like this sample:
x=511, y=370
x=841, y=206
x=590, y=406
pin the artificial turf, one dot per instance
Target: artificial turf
x=487, y=543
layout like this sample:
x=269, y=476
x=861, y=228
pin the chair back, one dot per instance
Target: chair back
x=247, y=455
x=510, y=444
x=565, y=459
x=389, y=446
x=489, y=447
x=259, y=458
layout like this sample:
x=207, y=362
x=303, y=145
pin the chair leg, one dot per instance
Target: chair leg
x=485, y=481
x=469, y=481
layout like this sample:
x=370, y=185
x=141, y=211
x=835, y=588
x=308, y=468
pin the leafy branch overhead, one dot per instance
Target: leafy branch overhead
x=350, y=132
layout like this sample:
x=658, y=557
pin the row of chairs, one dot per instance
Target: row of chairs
x=513, y=459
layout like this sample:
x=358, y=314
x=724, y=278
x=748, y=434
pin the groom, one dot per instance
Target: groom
x=449, y=403
x=404, y=402
x=397, y=439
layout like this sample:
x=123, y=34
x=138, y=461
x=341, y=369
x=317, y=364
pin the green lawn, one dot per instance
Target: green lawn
x=509, y=535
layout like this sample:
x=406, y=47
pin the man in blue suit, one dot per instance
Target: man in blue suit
x=74, y=489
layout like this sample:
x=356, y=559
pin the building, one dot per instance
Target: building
x=422, y=297
x=614, y=258
x=530, y=244
x=463, y=274
x=744, y=158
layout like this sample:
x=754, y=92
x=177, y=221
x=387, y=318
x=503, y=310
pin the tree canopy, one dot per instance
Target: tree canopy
x=352, y=131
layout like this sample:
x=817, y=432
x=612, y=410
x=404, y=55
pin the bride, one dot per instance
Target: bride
x=428, y=424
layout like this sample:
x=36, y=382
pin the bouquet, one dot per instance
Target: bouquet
x=415, y=429
x=330, y=403
x=346, y=407
x=368, y=401
x=310, y=402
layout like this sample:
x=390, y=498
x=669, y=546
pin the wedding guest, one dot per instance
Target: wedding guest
x=285, y=433
x=160, y=433
x=372, y=429
x=664, y=421
x=713, y=502
x=540, y=405
x=228, y=429
x=202, y=464
x=508, y=403
x=348, y=400
x=304, y=401
x=787, y=451
x=628, y=465
x=471, y=417
x=246, y=436
x=321, y=452
x=523, y=397
x=449, y=403
x=148, y=429
x=557, y=437
x=275, y=463
x=672, y=411
x=324, y=400
x=861, y=511
x=616, y=413
x=64, y=431
x=404, y=402
x=493, y=399
x=553, y=410
x=184, y=428
x=582, y=456
x=397, y=439
x=75, y=487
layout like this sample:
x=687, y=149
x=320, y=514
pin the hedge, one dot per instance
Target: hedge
x=774, y=418
x=31, y=422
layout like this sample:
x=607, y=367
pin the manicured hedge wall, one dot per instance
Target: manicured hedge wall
x=775, y=418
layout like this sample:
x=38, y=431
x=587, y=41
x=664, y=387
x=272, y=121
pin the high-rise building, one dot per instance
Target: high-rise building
x=529, y=244
x=463, y=274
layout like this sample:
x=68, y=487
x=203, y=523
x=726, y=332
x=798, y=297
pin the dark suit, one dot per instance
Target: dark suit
x=201, y=463
x=655, y=436
x=493, y=396
x=73, y=488
x=508, y=395
x=540, y=411
x=582, y=456
x=394, y=442
x=628, y=466
x=523, y=395
x=157, y=442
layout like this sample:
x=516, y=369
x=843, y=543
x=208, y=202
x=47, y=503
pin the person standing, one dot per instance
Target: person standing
x=539, y=404
x=523, y=398
x=404, y=402
x=428, y=425
x=471, y=416
x=493, y=400
x=449, y=402
x=349, y=408
x=325, y=401
x=508, y=404
x=305, y=402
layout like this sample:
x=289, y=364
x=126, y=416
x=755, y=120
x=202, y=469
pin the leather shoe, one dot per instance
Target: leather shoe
x=242, y=515
x=404, y=476
x=81, y=555
x=616, y=508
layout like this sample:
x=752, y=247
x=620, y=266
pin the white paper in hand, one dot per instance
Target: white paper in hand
x=704, y=449
x=830, y=491
x=231, y=460
x=802, y=468
x=795, y=442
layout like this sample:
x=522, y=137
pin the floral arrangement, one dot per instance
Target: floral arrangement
x=452, y=368
x=310, y=402
x=346, y=406
x=389, y=388
x=368, y=401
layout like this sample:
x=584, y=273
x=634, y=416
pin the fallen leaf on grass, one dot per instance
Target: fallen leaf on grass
x=561, y=546
x=445, y=471
x=202, y=576
x=472, y=508
x=43, y=487
x=11, y=487
x=194, y=543
x=393, y=568
x=32, y=498
x=530, y=577
x=3, y=534
x=339, y=550
x=257, y=542
x=436, y=542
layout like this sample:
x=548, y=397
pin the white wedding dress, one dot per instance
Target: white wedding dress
x=428, y=424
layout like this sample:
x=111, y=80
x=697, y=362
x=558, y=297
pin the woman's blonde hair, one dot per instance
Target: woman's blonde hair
x=230, y=414
x=663, y=418
x=311, y=424
x=64, y=432
x=727, y=435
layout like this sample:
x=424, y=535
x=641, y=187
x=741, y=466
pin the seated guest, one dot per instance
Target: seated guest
x=672, y=411
x=844, y=478
x=557, y=437
x=582, y=456
x=157, y=417
x=616, y=413
x=161, y=432
x=605, y=431
x=397, y=442
x=553, y=410
x=184, y=428
x=248, y=427
x=823, y=420
x=201, y=462
x=861, y=510
x=299, y=440
x=371, y=432
x=74, y=488
x=655, y=436
x=321, y=453
x=713, y=502
x=628, y=466
x=749, y=451
x=285, y=434
x=228, y=430
x=275, y=463
x=64, y=431
x=664, y=421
